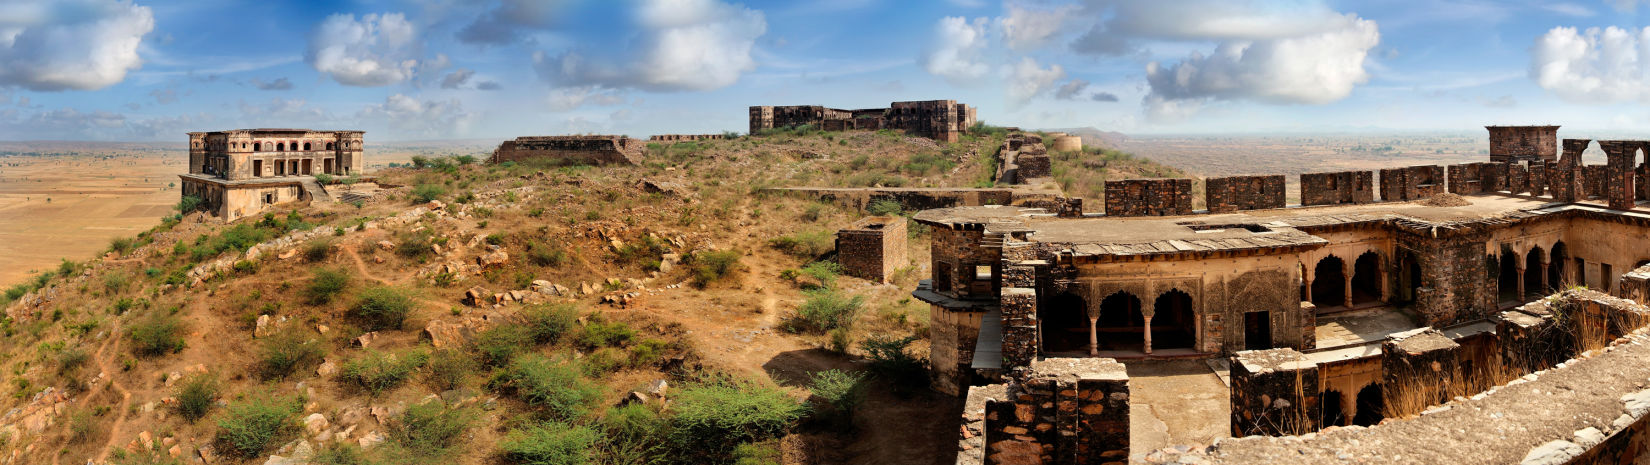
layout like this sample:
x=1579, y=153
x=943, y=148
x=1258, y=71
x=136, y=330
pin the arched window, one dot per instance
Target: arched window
x=306, y=146
x=257, y=147
x=329, y=146
x=280, y=147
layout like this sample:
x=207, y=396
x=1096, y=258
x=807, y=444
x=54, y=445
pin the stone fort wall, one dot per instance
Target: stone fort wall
x=591, y=150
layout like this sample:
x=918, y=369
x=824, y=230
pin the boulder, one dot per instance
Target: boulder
x=447, y=334
x=366, y=340
x=264, y=327
x=494, y=259
x=386, y=245
x=476, y=296
x=315, y=423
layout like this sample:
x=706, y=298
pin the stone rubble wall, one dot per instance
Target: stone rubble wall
x=1057, y=411
x=1274, y=392
x=911, y=199
x=1411, y=183
x=942, y=120
x=1234, y=193
x=873, y=253
x=685, y=137
x=595, y=150
x=1345, y=187
x=1523, y=143
x=1149, y=197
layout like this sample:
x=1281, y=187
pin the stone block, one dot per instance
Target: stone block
x=1274, y=392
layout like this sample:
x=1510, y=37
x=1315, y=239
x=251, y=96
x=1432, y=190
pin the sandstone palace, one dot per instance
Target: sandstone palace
x=241, y=172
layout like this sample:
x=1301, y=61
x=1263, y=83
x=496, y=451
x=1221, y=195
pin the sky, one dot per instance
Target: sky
x=408, y=70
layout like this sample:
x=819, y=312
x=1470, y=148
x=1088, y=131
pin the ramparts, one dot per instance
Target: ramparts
x=1345, y=187
x=1523, y=143
x=943, y=120
x=591, y=150
x=1149, y=197
x=1236, y=193
x=1411, y=183
x=685, y=137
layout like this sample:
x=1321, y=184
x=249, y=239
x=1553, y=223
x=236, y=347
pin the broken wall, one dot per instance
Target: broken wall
x=1149, y=197
x=1346, y=187
x=1234, y=193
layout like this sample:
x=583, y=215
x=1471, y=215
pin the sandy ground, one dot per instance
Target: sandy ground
x=1175, y=402
x=70, y=206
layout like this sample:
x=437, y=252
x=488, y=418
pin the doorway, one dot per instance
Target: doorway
x=1257, y=331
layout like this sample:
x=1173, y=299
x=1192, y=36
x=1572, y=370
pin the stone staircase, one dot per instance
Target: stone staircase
x=316, y=193
x=352, y=197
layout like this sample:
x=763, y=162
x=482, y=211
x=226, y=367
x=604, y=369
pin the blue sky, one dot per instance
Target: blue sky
x=445, y=69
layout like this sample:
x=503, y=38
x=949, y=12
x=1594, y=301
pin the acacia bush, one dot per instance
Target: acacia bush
x=552, y=386
x=809, y=244
x=501, y=343
x=383, y=307
x=716, y=414
x=377, y=371
x=249, y=427
x=825, y=309
x=547, y=323
x=284, y=352
x=196, y=396
x=550, y=443
x=430, y=429
x=327, y=283
x=841, y=393
x=158, y=334
x=712, y=266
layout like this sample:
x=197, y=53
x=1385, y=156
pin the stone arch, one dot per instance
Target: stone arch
x=1507, y=274
x=1329, y=282
x=1064, y=322
x=1558, y=276
x=1367, y=279
x=1329, y=407
x=1534, y=271
x=1370, y=406
x=306, y=146
x=329, y=146
x=257, y=146
x=1121, y=324
x=280, y=146
x=1174, y=321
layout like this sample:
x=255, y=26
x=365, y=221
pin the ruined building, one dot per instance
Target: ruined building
x=1013, y=286
x=241, y=172
x=942, y=120
x=570, y=150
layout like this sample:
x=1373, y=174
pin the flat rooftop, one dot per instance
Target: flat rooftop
x=1252, y=229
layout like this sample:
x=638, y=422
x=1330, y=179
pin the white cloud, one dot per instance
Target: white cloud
x=410, y=118
x=1027, y=27
x=956, y=53
x=1593, y=66
x=376, y=51
x=1029, y=80
x=505, y=22
x=1071, y=89
x=457, y=78
x=683, y=45
x=569, y=98
x=71, y=44
x=1317, y=67
x=1128, y=22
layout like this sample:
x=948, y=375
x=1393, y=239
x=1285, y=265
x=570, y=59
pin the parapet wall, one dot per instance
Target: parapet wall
x=910, y=199
x=1149, y=197
x=1345, y=187
x=594, y=150
x=1236, y=193
x=1523, y=143
x=1411, y=183
x=685, y=137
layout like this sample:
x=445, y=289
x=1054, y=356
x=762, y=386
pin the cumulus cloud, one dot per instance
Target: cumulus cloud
x=1029, y=80
x=277, y=84
x=1316, y=67
x=1103, y=97
x=377, y=50
x=569, y=98
x=1071, y=89
x=682, y=45
x=508, y=20
x=956, y=53
x=1128, y=23
x=70, y=44
x=456, y=79
x=1593, y=66
x=408, y=117
x=1027, y=27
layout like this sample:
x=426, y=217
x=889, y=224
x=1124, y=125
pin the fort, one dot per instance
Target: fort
x=242, y=172
x=585, y=150
x=942, y=120
x=1445, y=270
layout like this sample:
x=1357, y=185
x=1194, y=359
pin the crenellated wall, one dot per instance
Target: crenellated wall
x=1149, y=197
x=1346, y=187
x=1234, y=193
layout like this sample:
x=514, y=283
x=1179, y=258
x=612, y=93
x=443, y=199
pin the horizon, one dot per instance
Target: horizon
x=416, y=70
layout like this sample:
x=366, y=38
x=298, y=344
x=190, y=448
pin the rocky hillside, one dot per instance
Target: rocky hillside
x=663, y=313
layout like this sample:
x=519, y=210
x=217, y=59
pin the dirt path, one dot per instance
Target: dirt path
x=106, y=365
x=361, y=266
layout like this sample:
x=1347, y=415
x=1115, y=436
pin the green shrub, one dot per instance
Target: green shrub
x=426, y=193
x=501, y=343
x=841, y=392
x=541, y=254
x=115, y=281
x=327, y=283
x=143, y=457
x=605, y=360
x=324, y=178
x=71, y=358
x=81, y=425
x=552, y=443
x=465, y=159
x=121, y=245
x=340, y=453
x=448, y=369
x=414, y=244
x=430, y=429
x=714, y=415
x=548, y=323
x=284, y=352
x=599, y=332
x=806, y=244
x=318, y=250
x=189, y=203
x=377, y=371
x=646, y=249
x=757, y=453
x=553, y=386
x=251, y=426
x=825, y=309
x=383, y=307
x=890, y=360
x=884, y=207
x=634, y=433
x=709, y=267
x=196, y=395
x=157, y=334
x=823, y=272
